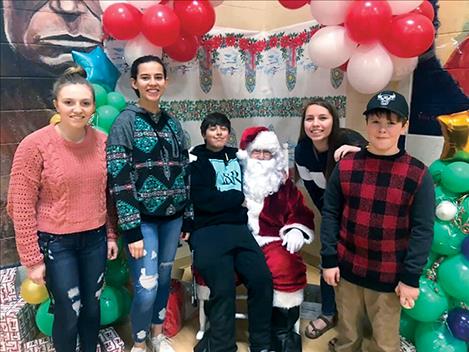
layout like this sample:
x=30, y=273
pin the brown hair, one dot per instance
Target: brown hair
x=332, y=139
x=72, y=75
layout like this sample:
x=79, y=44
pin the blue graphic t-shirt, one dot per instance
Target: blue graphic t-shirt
x=228, y=175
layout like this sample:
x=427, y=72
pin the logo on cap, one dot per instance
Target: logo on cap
x=385, y=99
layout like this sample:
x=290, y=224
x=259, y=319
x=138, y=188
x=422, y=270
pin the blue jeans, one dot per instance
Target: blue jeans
x=151, y=275
x=75, y=266
x=328, y=307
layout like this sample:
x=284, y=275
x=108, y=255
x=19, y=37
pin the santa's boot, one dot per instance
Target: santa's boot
x=284, y=338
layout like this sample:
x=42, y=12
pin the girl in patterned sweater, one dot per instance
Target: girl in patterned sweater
x=148, y=179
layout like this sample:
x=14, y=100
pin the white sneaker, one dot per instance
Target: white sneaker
x=161, y=343
x=138, y=349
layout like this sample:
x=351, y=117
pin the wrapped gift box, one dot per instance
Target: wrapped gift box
x=8, y=292
x=17, y=324
x=108, y=337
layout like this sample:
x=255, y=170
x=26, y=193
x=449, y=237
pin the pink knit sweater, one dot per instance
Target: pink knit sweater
x=57, y=187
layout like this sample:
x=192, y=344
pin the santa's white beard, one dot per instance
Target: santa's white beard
x=261, y=178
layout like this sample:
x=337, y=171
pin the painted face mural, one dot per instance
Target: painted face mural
x=47, y=31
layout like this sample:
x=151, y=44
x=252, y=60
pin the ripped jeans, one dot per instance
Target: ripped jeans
x=151, y=275
x=75, y=266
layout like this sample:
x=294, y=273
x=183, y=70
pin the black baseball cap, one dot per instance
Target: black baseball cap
x=389, y=100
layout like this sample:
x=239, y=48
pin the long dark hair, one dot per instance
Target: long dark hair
x=143, y=60
x=332, y=140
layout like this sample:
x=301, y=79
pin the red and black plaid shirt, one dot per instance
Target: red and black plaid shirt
x=374, y=221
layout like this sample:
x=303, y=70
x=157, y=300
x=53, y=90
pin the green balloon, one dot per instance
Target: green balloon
x=447, y=238
x=464, y=210
x=105, y=117
x=117, y=273
x=117, y=100
x=453, y=275
x=44, y=320
x=125, y=302
x=431, y=303
x=407, y=327
x=436, y=168
x=435, y=337
x=443, y=194
x=109, y=303
x=100, y=95
x=431, y=259
x=455, y=177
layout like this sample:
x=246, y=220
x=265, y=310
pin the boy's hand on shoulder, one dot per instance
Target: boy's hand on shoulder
x=407, y=295
x=331, y=276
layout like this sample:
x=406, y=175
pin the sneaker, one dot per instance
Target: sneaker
x=138, y=349
x=161, y=343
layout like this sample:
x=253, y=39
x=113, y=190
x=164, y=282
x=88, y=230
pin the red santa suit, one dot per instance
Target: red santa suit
x=270, y=219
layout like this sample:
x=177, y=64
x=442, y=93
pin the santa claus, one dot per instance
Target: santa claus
x=281, y=224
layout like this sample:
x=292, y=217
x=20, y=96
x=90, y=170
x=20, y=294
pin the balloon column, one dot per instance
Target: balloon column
x=439, y=321
x=149, y=26
x=380, y=40
x=115, y=298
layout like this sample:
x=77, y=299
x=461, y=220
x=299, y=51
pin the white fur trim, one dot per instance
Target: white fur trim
x=317, y=177
x=203, y=292
x=254, y=209
x=264, y=240
x=287, y=299
x=306, y=230
x=265, y=140
x=242, y=154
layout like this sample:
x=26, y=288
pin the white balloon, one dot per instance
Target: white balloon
x=140, y=46
x=403, y=67
x=106, y=3
x=216, y=2
x=331, y=47
x=446, y=210
x=369, y=69
x=143, y=4
x=403, y=6
x=331, y=12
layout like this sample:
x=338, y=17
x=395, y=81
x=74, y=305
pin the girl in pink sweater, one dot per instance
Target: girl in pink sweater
x=57, y=201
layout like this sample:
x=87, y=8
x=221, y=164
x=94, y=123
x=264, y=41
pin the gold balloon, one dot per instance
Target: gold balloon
x=455, y=128
x=55, y=119
x=33, y=293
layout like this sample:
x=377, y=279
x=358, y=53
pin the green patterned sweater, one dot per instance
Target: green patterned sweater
x=147, y=162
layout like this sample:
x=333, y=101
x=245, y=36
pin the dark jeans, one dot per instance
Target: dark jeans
x=219, y=252
x=327, y=298
x=74, y=276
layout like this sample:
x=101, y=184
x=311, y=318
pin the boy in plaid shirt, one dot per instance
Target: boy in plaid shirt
x=377, y=229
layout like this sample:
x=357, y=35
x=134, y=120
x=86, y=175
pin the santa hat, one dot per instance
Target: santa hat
x=257, y=137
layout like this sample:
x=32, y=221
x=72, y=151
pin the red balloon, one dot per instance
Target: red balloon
x=426, y=9
x=122, y=21
x=197, y=16
x=344, y=66
x=409, y=35
x=160, y=25
x=293, y=4
x=367, y=20
x=184, y=49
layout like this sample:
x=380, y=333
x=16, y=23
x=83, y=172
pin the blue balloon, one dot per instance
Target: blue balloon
x=99, y=69
x=465, y=248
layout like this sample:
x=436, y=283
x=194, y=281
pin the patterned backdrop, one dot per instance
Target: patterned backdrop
x=253, y=77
